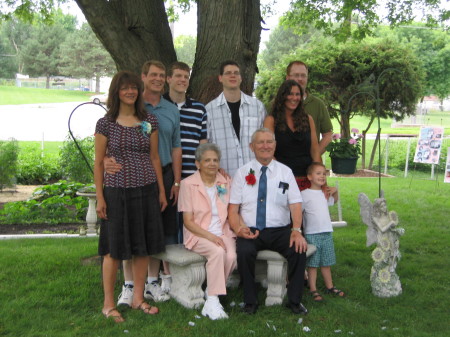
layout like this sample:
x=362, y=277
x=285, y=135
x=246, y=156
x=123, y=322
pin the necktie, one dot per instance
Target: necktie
x=261, y=202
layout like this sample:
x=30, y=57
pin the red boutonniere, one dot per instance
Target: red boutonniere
x=250, y=178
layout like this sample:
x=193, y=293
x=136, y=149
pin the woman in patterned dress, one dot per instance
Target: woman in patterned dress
x=129, y=202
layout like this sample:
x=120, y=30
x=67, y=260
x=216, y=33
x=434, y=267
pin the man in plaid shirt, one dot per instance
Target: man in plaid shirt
x=232, y=118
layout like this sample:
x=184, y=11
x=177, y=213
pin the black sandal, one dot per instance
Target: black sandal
x=335, y=291
x=316, y=296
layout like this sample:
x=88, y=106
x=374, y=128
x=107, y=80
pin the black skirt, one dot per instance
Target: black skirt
x=134, y=225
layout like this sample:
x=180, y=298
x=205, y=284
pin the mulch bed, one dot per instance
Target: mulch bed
x=39, y=228
x=361, y=174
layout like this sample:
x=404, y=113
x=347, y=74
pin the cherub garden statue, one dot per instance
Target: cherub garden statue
x=382, y=229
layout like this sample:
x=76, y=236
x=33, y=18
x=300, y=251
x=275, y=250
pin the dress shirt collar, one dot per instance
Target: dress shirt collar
x=257, y=165
x=221, y=100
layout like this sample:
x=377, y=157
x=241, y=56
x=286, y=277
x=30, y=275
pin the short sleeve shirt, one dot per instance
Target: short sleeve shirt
x=282, y=191
x=316, y=108
x=169, y=128
x=316, y=216
x=193, y=119
x=130, y=146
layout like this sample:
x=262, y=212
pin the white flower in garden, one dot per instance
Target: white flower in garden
x=385, y=244
x=384, y=275
x=377, y=255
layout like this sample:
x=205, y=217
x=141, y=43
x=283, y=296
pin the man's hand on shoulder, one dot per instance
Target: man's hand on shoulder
x=111, y=166
x=298, y=241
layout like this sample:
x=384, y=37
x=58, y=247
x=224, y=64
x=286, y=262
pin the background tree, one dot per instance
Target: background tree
x=16, y=32
x=185, y=48
x=8, y=64
x=82, y=55
x=357, y=19
x=343, y=70
x=41, y=51
x=432, y=47
x=135, y=33
x=282, y=41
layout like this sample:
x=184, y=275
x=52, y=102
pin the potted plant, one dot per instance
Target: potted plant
x=344, y=152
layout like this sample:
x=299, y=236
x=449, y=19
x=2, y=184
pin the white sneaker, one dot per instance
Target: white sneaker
x=213, y=309
x=126, y=296
x=166, y=282
x=154, y=292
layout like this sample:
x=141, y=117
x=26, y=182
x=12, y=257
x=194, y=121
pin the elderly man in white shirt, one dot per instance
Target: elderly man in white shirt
x=264, y=197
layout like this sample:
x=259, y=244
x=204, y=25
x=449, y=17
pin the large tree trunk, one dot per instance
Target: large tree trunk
x=133, y=32
x=228, y=30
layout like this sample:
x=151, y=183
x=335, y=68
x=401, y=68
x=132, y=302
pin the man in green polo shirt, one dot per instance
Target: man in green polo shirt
x=314, y=106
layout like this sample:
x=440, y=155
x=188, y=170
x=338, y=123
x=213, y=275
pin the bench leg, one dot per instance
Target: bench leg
x=276, y=282
x=187, y=283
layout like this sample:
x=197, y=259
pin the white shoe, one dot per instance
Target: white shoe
x=126, y=296
x=166, y=282
x=154, y=292
x=213, y=309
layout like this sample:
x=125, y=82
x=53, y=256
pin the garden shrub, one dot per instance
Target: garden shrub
x=51, y=204
x=72, y=163
x=36, y=168
x=8, y=162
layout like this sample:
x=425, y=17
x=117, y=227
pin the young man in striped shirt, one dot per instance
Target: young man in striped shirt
x=192, y=115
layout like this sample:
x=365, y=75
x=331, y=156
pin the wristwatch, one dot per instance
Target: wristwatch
x=176, y=184
x=296, y=230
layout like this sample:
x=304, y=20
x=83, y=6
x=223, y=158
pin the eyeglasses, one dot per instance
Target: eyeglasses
x=229, y=73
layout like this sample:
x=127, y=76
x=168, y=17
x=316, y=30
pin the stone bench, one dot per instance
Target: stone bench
x=188, y=274
x=271, y=272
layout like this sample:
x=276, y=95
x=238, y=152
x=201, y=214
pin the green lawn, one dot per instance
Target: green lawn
x=434, y=118
x=12, y=95
x=47, y=291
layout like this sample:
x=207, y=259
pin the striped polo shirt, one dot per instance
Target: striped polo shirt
x=193, y=119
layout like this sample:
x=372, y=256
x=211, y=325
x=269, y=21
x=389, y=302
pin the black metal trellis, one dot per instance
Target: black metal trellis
x=73, y=137
x=376, y=96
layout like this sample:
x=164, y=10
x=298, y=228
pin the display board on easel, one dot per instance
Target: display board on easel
x=429, y=145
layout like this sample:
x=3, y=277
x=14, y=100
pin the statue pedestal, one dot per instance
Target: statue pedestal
x=91, y=216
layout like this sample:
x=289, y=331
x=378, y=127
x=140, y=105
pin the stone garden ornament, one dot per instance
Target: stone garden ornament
x=382, y=229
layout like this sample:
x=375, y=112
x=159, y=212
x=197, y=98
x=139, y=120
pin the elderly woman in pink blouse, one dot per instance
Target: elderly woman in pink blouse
x=203, y=199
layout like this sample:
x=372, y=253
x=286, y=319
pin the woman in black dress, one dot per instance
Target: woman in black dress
x=295, y=132
x=130, y=201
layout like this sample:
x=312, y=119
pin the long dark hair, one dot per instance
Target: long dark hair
x=301, y=119
x=113, y=104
